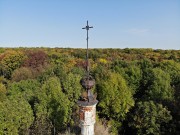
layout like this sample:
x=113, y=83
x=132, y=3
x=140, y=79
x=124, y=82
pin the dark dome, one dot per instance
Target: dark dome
x=87, y=82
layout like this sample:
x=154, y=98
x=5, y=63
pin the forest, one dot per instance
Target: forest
x=138, y=91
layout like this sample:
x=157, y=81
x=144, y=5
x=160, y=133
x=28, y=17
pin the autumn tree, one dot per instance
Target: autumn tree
x=22, y=73
x=10, y=61
x=36, y=59
x=37, y=62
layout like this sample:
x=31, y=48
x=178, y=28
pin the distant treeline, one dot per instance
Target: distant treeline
x=138, y=90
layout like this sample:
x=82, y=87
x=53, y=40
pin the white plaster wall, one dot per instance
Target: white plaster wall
x=89, y=119
x=87, y=130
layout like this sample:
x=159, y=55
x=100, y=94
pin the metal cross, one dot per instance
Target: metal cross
x=87, y=28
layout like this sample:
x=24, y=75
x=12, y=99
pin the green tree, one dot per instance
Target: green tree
x=148, y=118
x=29, y=89
x=3, y=92
x=131, y=72
x=173, y=68
x=159, y=87
x=16, y=115
x=133, y=77
x=53, y=103
x=146, y=67
x=115, y=97
x=72, y=87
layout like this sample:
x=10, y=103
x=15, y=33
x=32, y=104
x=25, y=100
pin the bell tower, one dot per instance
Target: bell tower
x=87, y=105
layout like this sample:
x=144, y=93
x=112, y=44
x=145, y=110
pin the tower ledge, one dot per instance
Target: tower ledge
x=86, y=103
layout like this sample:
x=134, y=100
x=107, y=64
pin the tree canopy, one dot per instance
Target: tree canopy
x=137, y=90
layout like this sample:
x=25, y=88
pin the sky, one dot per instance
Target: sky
x=116, y=23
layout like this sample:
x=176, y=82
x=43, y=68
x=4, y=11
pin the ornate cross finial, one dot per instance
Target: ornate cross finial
x=87, y=60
